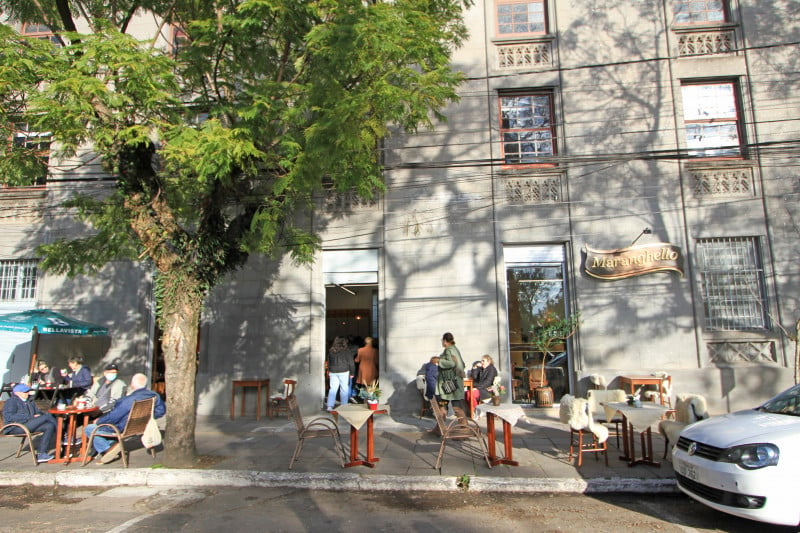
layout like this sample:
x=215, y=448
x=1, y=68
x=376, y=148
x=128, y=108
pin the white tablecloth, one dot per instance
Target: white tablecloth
x=357, y=414
x=505, y=411
x=640, y=418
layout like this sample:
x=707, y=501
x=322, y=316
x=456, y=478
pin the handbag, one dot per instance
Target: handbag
x=449, y=384
x=152, y=435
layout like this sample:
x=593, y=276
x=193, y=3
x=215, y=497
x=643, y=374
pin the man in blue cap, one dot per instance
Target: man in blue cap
x=19, y=409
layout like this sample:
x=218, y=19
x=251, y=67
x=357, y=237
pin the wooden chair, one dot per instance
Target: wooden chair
x=689, y=408
x=25, y=437
x=462, y=428
x=662, y=395
x=322, y=426
x=595, y=397
x=141, y=412
x=279, y=402
x=576, y=414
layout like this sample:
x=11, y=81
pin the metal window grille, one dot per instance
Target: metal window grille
x=732, y=284
x=18, y=280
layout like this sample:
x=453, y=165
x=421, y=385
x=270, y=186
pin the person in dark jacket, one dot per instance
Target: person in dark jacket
x=19, y=409
x=431, y=373
x=482, y=380
x=118, y=416
x=341, y=367
x=79, y=377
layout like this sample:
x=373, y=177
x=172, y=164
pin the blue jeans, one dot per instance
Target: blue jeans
x=339, y=381
x=45, y=423
x=100, y=444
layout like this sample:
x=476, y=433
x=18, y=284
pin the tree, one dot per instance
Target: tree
x=218, y=145
x=551, y=331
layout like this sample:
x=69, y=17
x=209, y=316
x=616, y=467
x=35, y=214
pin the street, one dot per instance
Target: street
x=215, y=509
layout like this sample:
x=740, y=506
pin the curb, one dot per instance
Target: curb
x=163, y=477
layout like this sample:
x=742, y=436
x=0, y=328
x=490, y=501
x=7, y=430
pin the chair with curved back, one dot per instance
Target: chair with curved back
x=689, y=408
x=662, y=395
x=321, y=426
x=139, y=416
x=279, y=402
x=25, y=437
x=462, y=429
x=596, y=397
x=576, y=414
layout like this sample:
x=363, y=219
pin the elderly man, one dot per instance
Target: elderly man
x=108, y=389
x=19, y=409
x=118, y=416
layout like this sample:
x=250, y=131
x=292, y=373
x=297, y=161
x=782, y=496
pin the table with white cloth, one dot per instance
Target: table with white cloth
x=509, y=414
x=637, y=420
x=356, y=415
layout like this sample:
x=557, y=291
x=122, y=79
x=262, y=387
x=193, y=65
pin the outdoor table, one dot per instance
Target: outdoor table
x=356, y=415
x=633, y=382
x=45, y=392
x=638, y=419
x=509, y=414
x=468, y=396
x=70, y=416
x=243, y=384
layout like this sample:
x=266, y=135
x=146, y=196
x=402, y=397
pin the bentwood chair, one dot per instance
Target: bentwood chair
x=279, y=403
x=321, y=426
x=689, y=408
x=576, y=414
x=596, y=397
x=460, y=429
x=21, y=432
x=140, y=415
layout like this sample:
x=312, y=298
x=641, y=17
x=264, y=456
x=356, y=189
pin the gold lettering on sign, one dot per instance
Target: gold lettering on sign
x=633, y=261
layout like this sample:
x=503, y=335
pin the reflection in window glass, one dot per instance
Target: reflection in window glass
x=527, y=128
x=521, y=17
x=698, y=11
x=711, y=119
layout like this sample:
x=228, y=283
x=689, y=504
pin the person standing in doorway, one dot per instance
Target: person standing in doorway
x=367, y=359
x=341, y=367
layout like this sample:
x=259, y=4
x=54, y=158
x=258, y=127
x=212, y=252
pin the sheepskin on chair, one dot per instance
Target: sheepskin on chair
x=689, y=408
x=575, y=413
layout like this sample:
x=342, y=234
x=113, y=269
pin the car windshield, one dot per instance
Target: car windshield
x=787, y=402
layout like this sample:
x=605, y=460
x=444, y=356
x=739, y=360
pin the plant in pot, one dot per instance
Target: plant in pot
x=550, y=332
x=497, y=389
x=370, y=393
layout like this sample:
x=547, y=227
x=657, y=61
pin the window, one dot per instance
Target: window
x=711, y=119
x=520, y=18
x=40, y=31
x=698, y=11
x=527, y=128
x=18, y=280
x=732, y=284
x=36, y=148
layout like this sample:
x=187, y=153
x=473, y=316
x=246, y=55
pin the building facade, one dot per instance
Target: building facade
x=631, y=162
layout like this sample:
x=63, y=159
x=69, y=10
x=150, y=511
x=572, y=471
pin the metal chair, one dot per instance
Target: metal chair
x=322, y=426
x=462, y=428
x=25, y=437
x=279, y=402
x=141, y=412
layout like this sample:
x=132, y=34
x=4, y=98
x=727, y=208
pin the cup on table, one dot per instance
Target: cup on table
x=61, y=406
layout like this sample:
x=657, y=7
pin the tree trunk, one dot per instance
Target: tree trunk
x=797, y=352
x=179, y=345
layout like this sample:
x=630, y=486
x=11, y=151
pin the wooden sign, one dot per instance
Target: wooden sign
x=633, y=261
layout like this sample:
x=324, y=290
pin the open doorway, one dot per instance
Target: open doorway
x=351, y=299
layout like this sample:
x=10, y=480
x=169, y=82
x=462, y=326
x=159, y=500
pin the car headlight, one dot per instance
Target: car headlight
x=752, y=456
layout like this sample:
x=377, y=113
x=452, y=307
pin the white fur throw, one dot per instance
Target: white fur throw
x=689, y=408
x=575, y=413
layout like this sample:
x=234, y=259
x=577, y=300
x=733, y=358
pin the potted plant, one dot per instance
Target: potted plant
x=548, y=333
x=370, y=393
x=497, y=389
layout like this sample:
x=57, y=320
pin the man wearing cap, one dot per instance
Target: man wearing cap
x=19, y=409
x=107, y=389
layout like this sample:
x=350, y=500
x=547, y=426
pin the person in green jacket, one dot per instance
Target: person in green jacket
x=451, y=366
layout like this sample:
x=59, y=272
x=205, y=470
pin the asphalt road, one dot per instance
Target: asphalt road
x=230, y=510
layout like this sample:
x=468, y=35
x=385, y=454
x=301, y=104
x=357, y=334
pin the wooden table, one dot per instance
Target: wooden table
x=638, y=419
x=356, y=415
x=633, y=382
x=509, y=414
x=245, y=384
x=70, y=416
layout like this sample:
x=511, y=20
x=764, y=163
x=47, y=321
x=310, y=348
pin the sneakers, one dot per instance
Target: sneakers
x=44, y=457
x=109, y=455
x=353, y=400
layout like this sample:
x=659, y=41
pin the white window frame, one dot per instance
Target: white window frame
x=712, y=119
x=18, y=281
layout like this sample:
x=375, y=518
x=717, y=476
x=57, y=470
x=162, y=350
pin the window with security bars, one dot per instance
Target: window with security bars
x=732, y=284
x=18, y=280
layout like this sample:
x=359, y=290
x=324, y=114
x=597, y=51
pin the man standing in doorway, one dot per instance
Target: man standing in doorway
x=341, y=368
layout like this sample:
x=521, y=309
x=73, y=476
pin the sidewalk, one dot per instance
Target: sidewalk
x=246, y=452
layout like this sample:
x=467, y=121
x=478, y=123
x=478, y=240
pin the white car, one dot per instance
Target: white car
x=745, y=463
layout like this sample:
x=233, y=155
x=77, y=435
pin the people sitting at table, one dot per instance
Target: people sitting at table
x=44, y=374
x=78, y=377
x=118, y=416
x=107, y=389
x=482, y=380
x=21, y=409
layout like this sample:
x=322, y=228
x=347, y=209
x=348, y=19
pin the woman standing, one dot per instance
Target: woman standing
x=367, y=359
x=451, y=374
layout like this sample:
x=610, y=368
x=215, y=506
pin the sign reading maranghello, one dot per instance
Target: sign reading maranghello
x=633, y=260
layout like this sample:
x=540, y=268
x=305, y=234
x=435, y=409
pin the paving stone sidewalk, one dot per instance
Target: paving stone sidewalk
x=247, y=452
